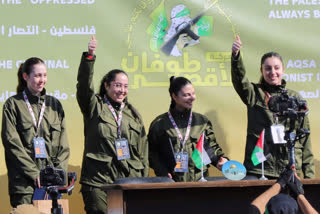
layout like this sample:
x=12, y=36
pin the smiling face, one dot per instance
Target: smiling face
x=272, y=70
x=117, y=90
x=37, y=78
x=185, y=97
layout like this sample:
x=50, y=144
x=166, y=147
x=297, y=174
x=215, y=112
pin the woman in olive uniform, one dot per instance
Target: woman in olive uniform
x=33, y=132
x=173, y=136
x=115, y=139
x=260, y=117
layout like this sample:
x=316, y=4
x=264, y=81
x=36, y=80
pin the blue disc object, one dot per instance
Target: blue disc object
x=233, y=170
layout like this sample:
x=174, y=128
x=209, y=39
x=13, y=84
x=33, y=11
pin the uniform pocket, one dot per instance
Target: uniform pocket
x=135, y=130
x=107, y=125
x=99, y=157
x=193, y=142
x=261, y=104
x=51, y=133
x=97, y=166
x=173, y=143
x=20, y=184
x=55, y=132
x=135, y=138
x=136, y=168
x=26, y=132
x=135, y=164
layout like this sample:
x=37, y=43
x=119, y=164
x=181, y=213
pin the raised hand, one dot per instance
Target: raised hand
x=182, y=41
x=236, y=46
x=92, y=46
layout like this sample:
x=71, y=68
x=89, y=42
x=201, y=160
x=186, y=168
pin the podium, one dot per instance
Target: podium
x=44, y=206
x=194, y=197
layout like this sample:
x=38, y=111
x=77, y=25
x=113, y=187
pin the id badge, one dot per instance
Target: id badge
x=181, y=162
x=39, y=147
x=122, y=148
x=277, y=132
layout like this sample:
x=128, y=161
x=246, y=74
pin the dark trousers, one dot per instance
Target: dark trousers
x=95, y=200
x=18, y=199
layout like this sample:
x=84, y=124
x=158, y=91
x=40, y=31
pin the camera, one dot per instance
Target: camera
x=292, y=108
x=54, y=180
x=51, y=176
x=285, y=104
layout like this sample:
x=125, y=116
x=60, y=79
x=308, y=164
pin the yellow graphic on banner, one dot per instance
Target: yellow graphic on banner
x=152, y=68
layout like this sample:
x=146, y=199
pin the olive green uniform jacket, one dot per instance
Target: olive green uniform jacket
x=17, y=134
x=161, y=156
x=100, y=164
x=260, y=117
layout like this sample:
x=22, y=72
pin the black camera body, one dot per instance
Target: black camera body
x=285, y=104
x=54, y=181
x=51, y=176
x=290, y=107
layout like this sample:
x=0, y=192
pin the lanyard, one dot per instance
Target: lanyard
x=118, y=119
x=267, y=97
x=31, y=111
x=183, y=141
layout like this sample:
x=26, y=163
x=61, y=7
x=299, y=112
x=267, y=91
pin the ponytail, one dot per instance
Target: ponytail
x=134, y=111
x=22, y=84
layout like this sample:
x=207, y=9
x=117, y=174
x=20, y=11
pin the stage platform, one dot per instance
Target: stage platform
x=221, y=196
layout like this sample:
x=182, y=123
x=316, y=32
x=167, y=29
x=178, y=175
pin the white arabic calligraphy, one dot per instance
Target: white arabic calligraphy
x=54, y=31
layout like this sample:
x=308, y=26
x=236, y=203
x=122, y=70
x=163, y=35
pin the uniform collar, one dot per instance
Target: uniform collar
x=33, y=97
x=273, y=88
x=180, y=114
x=114, y=104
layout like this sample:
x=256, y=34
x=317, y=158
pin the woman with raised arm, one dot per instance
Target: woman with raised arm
x=115, y=139
x=33, y=132
x=255, y=96
x=173, y=137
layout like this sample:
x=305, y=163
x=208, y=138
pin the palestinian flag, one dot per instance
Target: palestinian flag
x=257, y=154
x=199, y=156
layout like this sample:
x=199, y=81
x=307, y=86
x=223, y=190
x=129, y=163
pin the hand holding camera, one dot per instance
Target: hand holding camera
x=296, y=187
x=285, y=177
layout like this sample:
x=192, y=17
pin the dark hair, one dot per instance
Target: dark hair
x=108, y=78
x=176, y=84
x=26, y=67
x=282, y=203
x=266, y=56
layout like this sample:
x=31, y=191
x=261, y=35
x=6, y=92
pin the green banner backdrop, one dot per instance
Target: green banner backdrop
x=130, y=35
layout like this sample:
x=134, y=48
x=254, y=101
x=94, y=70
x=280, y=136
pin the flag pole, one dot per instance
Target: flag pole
x=262, y=172
x=202, y=179
x=262, y=164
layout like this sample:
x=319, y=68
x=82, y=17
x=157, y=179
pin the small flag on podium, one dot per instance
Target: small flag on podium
x=257, y=154
x=199, y=156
